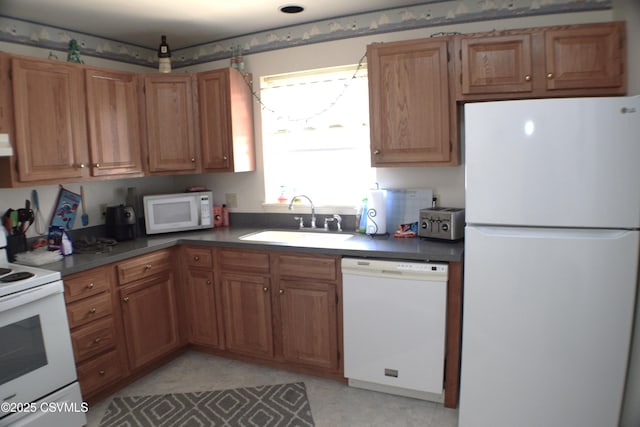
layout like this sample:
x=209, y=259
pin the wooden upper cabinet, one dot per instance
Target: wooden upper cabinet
x=586, y=57
x=409, y=103
x=50, y=123
x=576, y=60
x=114, y=123
x=170, y=124
x=226, y=121
x=496, y=64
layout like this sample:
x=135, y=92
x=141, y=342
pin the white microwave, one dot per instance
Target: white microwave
x=167, y=213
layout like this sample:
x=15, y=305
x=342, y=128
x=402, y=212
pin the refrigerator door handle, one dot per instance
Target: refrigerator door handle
x=552, y=233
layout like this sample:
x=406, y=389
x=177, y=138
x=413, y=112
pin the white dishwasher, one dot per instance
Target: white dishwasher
x=394, y=315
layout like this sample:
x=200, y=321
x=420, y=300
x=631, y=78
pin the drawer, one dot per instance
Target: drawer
x=198, y=257
x=93, y=338
x=87, y=283
x=99, y=372
x=308, y=266
x=89, y=309
x=240, y=260
x=143, y=266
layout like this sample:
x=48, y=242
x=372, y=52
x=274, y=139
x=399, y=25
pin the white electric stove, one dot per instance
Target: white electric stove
x=38, y=381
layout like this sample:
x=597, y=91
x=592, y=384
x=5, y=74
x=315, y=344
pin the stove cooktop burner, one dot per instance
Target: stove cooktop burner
x=4, y=271
x=20, y=275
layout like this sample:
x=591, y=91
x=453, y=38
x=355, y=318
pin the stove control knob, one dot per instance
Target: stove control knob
x=445, y=226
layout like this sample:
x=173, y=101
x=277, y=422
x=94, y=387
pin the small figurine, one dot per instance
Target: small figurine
x=73, y=54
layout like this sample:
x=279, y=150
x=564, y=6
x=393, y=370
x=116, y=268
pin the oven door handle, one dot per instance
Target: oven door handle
x=21, y=298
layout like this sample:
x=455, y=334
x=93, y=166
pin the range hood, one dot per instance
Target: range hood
x=5, y=146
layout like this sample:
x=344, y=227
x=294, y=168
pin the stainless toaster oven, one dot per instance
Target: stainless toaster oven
x=441, y=223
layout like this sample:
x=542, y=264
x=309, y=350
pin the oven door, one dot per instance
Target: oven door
x=36, y=357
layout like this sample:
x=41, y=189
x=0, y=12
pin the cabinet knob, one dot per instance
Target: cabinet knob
x=147, y=267
x=224, y=157
x=281, y=291
x=101, y=372
x=90, y=285
x=208, y=282
x=265, y=289
x=193, y=160
x=80, y=166
x=196, y=258
x=527, y=78
x=376, y=152
x=97, y=340
x=125, y=299
x=549, y=76
x=96, y=165
x=92, y=310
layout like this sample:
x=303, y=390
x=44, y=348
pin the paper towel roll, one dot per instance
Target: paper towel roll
x=377, y=212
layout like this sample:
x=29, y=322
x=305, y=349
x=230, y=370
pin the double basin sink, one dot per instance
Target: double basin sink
x=297, y=237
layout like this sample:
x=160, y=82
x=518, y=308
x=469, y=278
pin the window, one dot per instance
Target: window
x=315, y=133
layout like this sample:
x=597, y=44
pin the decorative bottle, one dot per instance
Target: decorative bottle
x=164, y=56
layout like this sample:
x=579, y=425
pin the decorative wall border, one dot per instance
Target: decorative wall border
x=432, y=14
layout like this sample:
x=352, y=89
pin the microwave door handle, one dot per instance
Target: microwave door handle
x=21, y=298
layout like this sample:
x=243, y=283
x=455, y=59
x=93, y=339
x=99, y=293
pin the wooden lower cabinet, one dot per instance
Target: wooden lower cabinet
x=202, y=310
x=247, y=314
x=96, y=334
x=309, y=323
x=150, y=319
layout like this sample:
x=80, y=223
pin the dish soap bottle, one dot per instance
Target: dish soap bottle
x=362, y=225
x=164, y=56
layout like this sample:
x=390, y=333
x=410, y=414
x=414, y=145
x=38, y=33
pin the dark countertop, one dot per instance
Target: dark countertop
x=389, y=247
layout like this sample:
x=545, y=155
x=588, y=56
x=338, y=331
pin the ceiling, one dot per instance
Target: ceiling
x=185, y=22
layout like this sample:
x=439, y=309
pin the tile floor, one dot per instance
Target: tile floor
x=332, y=404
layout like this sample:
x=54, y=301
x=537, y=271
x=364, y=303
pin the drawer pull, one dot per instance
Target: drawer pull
x=281, y=291
x=196, y=258
x=101, y=372
x=208, y=282
x=97, y=165
x=147, y=267
x=125, y=299
x=527, y=78
x=90, y=285
x=265, y=289
x=549, y=76
x=92, y=310
x=97, y=340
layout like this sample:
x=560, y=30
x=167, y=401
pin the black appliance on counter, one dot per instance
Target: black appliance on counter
x=121, y=222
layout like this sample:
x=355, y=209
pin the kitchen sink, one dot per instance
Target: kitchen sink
x=297, y=237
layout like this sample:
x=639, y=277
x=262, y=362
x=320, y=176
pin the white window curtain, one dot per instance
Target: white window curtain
x=316, y=136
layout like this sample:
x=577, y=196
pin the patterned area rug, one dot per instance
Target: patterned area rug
x=273, y=405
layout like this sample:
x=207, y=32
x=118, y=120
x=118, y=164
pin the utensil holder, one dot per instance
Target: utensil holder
x=16, y=244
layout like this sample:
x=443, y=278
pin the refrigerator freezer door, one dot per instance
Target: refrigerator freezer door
x=553, y=162
x=547, y=326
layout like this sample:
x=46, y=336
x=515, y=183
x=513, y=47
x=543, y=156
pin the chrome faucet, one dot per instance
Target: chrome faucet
x=313, y=208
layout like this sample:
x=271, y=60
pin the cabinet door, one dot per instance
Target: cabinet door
x=496, y=64
x=149, y=318
x=226, y=121
x=113, y=119
x=215, y=120
x=247, y=314
x=50, y=121
x=203, y=323
x=409, y=103
x=309, y=323
x=587, y=57
x=171, y=136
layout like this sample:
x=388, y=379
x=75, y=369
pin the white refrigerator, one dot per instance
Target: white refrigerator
x=551, y=260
